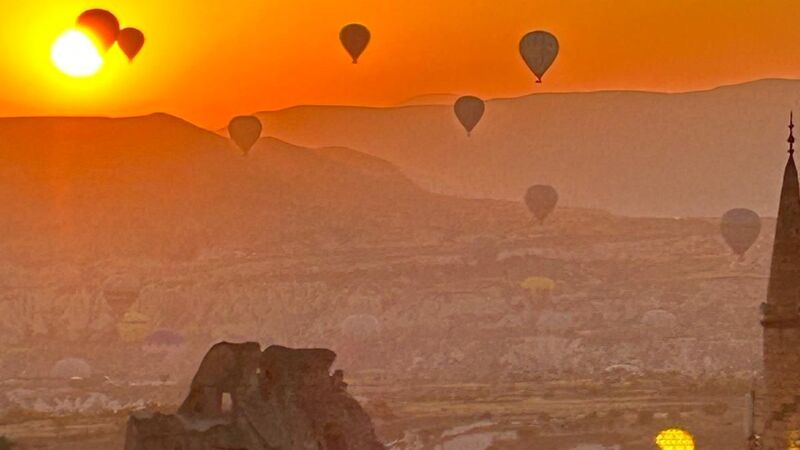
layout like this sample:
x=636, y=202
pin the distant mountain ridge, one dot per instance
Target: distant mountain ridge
x=637, y=153
x=136, y=186
x=430, y=99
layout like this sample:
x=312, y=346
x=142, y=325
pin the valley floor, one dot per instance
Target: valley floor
x=555, y=415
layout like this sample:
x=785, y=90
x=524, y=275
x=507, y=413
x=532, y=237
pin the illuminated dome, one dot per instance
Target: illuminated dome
x=69, y=368
x=675, y=439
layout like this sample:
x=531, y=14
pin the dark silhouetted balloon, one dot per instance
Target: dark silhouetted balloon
x=131, y=41
x=541, y=200
x=245, y=131
x=539, y=49
x=101, y=24
x=469, y=111
x=355, y=38
x=740, y=228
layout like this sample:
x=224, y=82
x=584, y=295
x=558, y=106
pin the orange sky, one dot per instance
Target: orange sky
x=206, y=60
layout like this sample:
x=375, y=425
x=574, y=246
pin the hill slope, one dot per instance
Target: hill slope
x=637, y=153
x=81, y=184
x=287, y=244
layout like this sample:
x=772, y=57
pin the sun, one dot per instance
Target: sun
x=75, y=54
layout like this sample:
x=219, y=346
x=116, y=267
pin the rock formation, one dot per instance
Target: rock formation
x=244, y=399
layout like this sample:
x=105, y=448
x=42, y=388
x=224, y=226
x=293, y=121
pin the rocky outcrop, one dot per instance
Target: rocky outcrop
x=244, y=399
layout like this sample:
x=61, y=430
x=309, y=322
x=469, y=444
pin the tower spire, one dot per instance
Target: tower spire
x=781, y=316
x=784, y=283
x=791, y=133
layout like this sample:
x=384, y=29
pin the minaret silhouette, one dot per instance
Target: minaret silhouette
x=780, y=410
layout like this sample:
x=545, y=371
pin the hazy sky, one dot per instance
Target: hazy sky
x=206, y=60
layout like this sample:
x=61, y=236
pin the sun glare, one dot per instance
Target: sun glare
x=76, y=55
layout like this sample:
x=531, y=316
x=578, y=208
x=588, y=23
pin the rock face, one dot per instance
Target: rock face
x=244, y=399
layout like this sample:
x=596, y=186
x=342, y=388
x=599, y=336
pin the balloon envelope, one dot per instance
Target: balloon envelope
x=355, y=38
x=469, y=111
x=659, y=319
x=539, y=49
x=538, y=284
x=165, y=338
x=120, y=293
x=68, y=368
x=740, y=228
x=361, y=326
x=541, y=200
x=131, y=41
x=245, y=131
x=101, y=24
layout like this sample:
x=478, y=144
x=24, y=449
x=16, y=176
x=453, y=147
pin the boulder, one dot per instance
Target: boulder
x=244, y=399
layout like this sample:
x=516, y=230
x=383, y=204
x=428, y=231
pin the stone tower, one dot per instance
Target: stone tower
x=780, y=404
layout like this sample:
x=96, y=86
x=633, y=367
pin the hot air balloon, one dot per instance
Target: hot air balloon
x=659, y=320
x=134, y=326
x=245, y=131
x=539, y=49
x=101, y=24
x=675, y=439
x=740, y=228
x=131, y=41
x=164, y=341
x=539, y=286
x=361, y=326
x=355, y=38
x=554, y=322
x=70, y=368
x=120, y=293
x=469, y=111
x=541, y=200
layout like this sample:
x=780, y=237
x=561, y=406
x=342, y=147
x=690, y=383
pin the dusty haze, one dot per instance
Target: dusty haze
x=633, y=153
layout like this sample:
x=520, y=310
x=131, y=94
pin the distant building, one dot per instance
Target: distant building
x=778, y=412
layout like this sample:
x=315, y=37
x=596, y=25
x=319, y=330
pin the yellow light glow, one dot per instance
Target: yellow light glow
x=76, y=55
x=675, y=439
